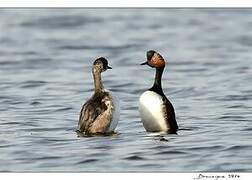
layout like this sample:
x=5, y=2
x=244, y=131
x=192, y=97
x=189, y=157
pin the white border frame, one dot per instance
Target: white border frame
x=125, y=3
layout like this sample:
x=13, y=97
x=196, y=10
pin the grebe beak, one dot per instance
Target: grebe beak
x=144, y=63
x=108, y=67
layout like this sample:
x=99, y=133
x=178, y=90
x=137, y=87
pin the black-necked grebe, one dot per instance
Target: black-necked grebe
x=156, y=111
x=100, y=114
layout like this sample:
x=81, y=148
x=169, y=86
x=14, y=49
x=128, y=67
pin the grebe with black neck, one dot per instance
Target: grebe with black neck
x=156, y=111
x=100, y=114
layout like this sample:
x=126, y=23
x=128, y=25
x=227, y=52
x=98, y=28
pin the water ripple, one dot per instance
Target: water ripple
x=58, y=22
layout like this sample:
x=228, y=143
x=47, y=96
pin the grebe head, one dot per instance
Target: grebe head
x=154, y=59
x=101, y=64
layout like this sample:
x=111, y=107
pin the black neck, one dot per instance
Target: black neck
x=157, y=86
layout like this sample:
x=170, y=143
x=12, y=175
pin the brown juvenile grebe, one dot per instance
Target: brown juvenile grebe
x=100, y=114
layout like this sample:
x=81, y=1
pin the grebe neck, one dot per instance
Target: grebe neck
x=97, y=80
x=157, y=86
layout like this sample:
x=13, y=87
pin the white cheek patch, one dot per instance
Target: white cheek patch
x=151, y=111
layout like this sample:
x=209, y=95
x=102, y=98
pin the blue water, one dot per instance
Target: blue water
x=45, y=74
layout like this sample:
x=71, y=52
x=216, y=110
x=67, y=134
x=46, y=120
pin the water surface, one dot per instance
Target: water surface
x=45, y=74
